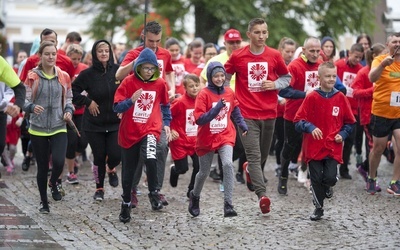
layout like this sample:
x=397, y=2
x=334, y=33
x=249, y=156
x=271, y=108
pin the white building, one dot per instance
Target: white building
x=25, y=19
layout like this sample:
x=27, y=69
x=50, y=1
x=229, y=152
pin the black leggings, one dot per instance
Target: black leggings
x=323, y=175
x=104, y=147
x=145, y=149
x=182, y=166
x=42, y=146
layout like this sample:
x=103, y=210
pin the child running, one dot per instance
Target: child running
x=141, y=98
x=184, y=132
x=326, y=119
x=214, y=106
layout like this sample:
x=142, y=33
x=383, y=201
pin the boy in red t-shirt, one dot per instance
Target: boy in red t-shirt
x=141, y=98
x=184, y=132
x=326, y=119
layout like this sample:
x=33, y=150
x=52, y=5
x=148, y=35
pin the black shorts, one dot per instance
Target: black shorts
x=382, y=127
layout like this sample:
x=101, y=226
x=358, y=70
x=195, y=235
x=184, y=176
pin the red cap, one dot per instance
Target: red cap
x=232, y=35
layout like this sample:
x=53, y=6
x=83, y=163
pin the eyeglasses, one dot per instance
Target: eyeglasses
x=149, y=69
x=211, y=54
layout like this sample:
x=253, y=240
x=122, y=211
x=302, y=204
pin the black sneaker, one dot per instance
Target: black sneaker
x=26, y=163
x=155, y=201
x=346, y=176
x=282, y=185
x=125, y=214
x=173, y=177
x=214, y=175
x=194, y=204
x=113, y=177
x=55, y=192
x=228, y=210
x=317, y=214
x=99, y=194
x=45, y=208
x=239, y=178
x=328, y=192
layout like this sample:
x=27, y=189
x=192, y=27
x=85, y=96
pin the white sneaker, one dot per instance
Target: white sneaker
x=302, y=176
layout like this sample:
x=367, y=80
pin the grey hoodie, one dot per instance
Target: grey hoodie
x=54, y=97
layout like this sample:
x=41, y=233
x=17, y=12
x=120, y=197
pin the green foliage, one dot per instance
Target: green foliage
x=212, y=18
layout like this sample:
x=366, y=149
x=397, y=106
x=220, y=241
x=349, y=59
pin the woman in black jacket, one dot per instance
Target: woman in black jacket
x=95, y=88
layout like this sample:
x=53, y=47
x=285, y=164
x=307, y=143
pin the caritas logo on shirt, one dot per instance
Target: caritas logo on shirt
x=191, y=126
x=256, y=73
x=220, y=122
x=144, y=106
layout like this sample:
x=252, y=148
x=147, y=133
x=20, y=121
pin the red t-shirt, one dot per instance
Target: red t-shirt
x=183, y=122
x=347, y=74
x=220, y=131
x=329, y=115
x=179, y=69
x=163, y=59
x=304, y=78
x=250, y=70
x=63, y=62
x=363, y=90
x=78, y=69
x=144, y=117
x=189, y=66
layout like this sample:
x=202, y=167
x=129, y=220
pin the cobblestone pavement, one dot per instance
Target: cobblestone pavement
x=353, y=219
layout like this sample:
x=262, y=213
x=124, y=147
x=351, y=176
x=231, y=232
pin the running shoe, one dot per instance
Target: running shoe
x=99, y=194
x=265, y=204
x=250, y=186
x=394, y=188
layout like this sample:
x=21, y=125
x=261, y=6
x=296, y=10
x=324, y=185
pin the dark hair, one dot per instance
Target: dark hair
x=357, y=47
x=74, y=37
x=43, y=45
x=363, y=35
x=209, y=45
x=373, y=51
x=171, y=41
x=343, y=53
x=192, y=77
x=255, y=21
x=46, y=32
x=153, y=27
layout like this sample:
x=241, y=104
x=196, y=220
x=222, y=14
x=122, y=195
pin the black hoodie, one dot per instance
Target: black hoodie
x=100, y=84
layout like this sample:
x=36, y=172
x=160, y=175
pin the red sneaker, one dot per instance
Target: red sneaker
x=265, y=205
x=248, y=180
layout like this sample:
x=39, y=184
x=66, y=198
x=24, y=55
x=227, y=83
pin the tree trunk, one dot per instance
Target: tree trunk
x=206, y=26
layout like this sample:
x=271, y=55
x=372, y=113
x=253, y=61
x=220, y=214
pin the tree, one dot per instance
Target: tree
x=212, y=18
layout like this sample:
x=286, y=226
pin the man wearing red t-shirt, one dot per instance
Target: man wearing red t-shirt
x=304, y=71
x=63, y=61
x=260, y=72
x=152, y=38
x=347, y=70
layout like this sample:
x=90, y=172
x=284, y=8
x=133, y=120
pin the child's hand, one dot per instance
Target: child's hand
x=244, y=133
x=223, y=102
x=38, y=109
x=19, y=122
x=168, y=133
x=338, y=138
x=174, y=135
x=136, y=95
x=317, y=134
